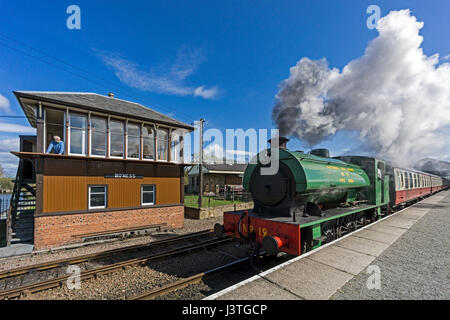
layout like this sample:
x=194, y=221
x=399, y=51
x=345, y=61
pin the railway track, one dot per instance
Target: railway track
x=182, y=283
x=197, y=278
x=100, y=255
x=16, y=277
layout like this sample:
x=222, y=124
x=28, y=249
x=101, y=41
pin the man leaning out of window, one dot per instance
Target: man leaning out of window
x=57, y=146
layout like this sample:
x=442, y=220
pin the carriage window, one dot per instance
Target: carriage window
x=162, y=143
x=117, y=136
x=147, y=195
x=97, y=197
x=78, y=126
x=134, y=141
x=98, y=136
x=148, y=138
x=402, y=179
x=54, y=125
x=176, y=148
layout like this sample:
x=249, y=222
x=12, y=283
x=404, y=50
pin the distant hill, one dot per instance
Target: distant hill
x=437, y=167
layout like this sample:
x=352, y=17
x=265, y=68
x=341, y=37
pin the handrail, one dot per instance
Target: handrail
x=12, y=212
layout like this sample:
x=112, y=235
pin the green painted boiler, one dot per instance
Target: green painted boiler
x=303, y=179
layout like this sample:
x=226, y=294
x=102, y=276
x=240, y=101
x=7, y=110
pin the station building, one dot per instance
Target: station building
x=215, y=176
x=122, y=168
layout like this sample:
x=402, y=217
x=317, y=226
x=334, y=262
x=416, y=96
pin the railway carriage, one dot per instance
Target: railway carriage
x=314, y=199
x=410, y=185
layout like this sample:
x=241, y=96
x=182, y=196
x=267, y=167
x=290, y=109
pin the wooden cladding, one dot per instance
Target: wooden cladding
x=62, y=193
x=99, y=167
x=65, y=184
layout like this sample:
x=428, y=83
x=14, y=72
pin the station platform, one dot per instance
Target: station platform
x=16, y=250
x=409, y=252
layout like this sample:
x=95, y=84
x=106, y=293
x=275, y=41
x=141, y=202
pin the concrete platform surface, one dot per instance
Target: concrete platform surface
x=410, y=249
x=16, y=250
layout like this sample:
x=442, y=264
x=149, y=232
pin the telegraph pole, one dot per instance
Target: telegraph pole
x=200, y=165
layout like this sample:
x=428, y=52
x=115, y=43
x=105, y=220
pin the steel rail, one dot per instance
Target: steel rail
x=182, y=283
x=56, y=282
x=84, y=258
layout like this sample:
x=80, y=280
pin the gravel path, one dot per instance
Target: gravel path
x=189, y=227
x=416, y=266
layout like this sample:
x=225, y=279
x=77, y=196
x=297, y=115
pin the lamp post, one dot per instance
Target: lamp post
x=200, y=165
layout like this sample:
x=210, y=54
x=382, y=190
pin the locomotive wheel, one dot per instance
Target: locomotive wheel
x=351, y=226
x=304, y=247
x=374, y=216
x=329, y=234
x=361, y=222
x=338, y=232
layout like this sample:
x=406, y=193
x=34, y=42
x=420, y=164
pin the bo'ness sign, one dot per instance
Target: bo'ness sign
x=123, y=176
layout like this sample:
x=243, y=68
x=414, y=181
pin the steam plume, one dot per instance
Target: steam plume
x=397, y=98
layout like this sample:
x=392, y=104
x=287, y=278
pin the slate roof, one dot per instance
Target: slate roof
x=240, y=167
x=95, y=102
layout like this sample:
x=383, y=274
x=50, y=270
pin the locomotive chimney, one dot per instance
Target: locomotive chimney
x=281, y=143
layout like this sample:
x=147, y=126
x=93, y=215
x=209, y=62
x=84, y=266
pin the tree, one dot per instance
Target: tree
x=6, y=184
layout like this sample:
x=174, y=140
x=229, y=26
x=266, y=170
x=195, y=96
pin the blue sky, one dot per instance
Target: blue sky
x=218, y=60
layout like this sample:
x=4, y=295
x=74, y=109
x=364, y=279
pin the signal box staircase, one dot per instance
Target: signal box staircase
x=22, y=208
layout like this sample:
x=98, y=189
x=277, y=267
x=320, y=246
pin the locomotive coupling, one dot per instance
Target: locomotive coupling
x=271, y=245
x=219, y=230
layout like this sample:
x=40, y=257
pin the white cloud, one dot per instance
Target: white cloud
x=394, y=96
x=16, y=128
x=206, y=93
x=447, y=57
x=4, y=104
x=170, y=80
x=9, y=144
x=215, y=152
x=9, y=163
x=7, y=160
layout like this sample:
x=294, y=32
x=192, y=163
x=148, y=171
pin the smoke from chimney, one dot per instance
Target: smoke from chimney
x=394, y=96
